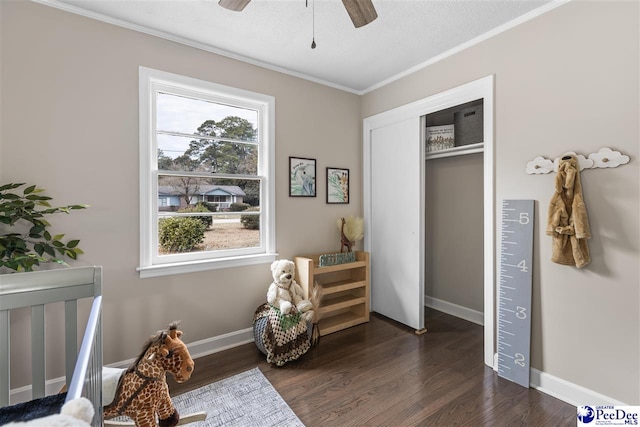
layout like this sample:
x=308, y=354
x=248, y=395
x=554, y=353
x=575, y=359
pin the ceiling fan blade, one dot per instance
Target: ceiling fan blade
x=235, y=5
x=361, y=12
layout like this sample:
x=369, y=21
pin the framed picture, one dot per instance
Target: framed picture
x=337, y=185
x=302, y=177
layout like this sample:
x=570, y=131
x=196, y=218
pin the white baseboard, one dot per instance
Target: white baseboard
x=23, y=394
x=207, y=346
x=196, y=349
x=456, y=310
x=568, y=392
x=219, y=343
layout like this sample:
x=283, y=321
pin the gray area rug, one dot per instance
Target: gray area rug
x=247, y=399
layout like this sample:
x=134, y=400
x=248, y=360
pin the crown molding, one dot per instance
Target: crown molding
x=215, y=50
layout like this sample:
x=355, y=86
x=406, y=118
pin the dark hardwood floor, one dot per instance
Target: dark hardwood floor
x=382, y=374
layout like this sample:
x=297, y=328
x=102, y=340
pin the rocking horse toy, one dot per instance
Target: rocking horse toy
x=142, y=393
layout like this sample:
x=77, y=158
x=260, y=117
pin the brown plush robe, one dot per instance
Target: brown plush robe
x=567, y=223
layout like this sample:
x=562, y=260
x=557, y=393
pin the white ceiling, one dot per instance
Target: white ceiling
x=277, y=34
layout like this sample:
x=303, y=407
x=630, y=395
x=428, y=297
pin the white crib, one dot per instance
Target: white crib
x=83, y=368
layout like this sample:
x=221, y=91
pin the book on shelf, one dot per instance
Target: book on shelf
x=440, y=137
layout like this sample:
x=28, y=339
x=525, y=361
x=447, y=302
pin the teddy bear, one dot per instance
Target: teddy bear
x=75, y=413
x=285, y=293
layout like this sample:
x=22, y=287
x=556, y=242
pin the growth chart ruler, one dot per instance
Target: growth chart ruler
x=514, y=298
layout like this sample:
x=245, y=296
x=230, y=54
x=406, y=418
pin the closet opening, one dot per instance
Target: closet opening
x=454, y=211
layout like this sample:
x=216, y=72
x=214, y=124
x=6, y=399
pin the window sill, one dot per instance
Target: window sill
x=210, y=264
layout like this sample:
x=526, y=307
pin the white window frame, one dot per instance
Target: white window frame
x=151, y=264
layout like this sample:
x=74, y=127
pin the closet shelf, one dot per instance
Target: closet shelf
x=456, y=151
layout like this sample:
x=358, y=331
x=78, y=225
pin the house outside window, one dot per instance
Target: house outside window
x=207, y=196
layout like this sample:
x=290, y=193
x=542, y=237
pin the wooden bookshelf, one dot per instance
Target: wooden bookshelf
x=345, y=293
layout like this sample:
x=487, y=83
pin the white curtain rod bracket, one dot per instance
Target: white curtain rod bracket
x=603, y=158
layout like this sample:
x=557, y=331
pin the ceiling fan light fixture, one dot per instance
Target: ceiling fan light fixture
x=234, y=5
x=361, y=12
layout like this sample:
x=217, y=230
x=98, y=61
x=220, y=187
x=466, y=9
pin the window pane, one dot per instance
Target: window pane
x=221, y=195
x=204, y=155
x=196, y=116
x=230, y=231
x=230, y=214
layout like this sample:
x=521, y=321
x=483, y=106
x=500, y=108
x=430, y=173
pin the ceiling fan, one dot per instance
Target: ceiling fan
x=361, y=12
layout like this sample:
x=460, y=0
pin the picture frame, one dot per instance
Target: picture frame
x=337, y=185
x=302, y=177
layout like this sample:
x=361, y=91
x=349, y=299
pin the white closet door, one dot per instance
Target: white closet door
x=396, y=238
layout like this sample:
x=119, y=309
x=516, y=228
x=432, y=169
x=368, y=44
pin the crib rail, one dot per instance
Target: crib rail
x=87, y=374
x=35, y=290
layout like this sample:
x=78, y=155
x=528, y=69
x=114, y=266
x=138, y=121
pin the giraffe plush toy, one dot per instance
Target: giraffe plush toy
x=143, y=393
x=344, y=241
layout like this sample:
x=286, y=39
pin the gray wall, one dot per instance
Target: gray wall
x=565, y=81
x=455, y=231
x=70, y=124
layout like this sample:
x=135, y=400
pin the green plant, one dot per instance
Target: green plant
x=28, y=242
x=180, y=234
x=238, y=207
x=213, y=207
x=251, y=222
x=207, y=220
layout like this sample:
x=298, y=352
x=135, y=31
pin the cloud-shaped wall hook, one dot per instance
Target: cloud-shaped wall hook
x=583, y=162
x=604, y=158
x=607, y=158
x=539, y=165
